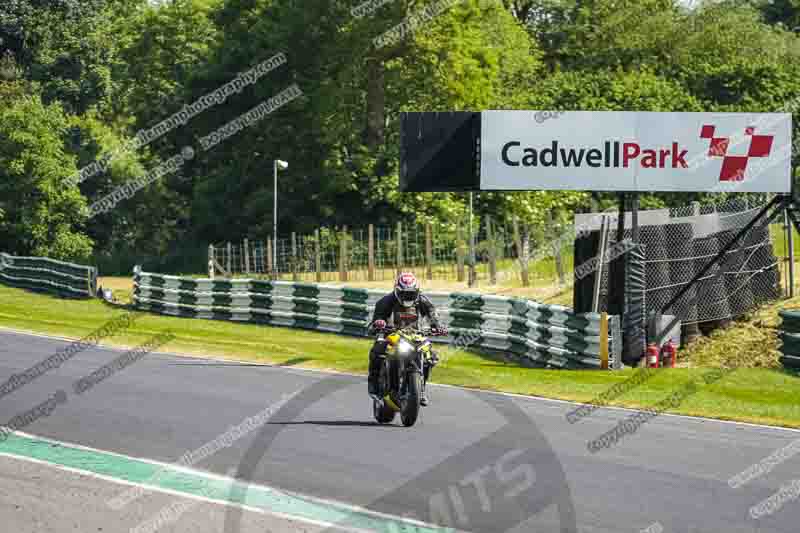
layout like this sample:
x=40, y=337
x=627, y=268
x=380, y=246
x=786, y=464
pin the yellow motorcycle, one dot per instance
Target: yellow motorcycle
x=401, y=379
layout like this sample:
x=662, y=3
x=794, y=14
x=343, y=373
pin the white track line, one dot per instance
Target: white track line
x=211, y=475
x=175, y=493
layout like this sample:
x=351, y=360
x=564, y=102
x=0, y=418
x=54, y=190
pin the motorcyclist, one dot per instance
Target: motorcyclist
x=401, y=308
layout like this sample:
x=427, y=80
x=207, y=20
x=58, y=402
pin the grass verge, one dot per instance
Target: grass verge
x=759, y=395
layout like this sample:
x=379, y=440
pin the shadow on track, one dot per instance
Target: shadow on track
x=346, y=423
x=290, y=362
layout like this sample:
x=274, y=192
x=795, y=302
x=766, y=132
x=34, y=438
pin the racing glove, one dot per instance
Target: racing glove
x=439, y=330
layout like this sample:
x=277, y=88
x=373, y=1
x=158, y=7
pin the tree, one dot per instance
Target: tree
x=41, y=215
x=160, y=49
x=68, y=46
x=783, y=13
x=729, y=59
x=342, y=136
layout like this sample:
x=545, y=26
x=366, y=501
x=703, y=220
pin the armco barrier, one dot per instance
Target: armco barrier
x=548, y=335
x=790, y=338
x=48, y=275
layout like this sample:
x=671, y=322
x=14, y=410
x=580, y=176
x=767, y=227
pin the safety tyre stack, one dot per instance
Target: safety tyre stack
x=712, y=299
x=790, y=338
x=681, y=272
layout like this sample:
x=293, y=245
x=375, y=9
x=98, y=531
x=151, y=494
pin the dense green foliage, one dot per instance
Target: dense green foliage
x=38, y=213
x=80, y=78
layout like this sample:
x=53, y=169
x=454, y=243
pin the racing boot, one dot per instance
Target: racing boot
x=423, y=399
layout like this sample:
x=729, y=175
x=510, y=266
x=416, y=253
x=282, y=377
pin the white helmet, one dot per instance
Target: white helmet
x=406, y=289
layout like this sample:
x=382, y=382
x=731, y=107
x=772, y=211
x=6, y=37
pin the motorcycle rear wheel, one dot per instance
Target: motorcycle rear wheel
x=411, y=405
x=382, y=412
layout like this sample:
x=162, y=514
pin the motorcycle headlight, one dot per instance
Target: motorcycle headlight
x=404, y=348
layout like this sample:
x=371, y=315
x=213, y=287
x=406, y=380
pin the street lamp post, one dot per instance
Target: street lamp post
x=283, y=166
x=472, y=277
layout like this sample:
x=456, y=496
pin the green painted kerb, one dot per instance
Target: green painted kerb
x=198, y=484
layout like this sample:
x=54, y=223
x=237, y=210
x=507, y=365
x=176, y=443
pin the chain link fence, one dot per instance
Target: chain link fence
x=679, y=242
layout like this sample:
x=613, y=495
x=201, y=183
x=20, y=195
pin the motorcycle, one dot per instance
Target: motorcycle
x=401, y=379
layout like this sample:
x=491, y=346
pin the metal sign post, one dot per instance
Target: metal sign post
x=791, y=231
x=604, y=227
x=790, y=249
x=472, y=276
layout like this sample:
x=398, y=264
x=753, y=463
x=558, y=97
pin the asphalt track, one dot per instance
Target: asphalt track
x=468, y=455
x=35, y=498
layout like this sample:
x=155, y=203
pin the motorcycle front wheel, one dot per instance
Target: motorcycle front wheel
x=411, y=404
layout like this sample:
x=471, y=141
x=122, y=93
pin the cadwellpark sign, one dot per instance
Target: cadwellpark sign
x=635, y=151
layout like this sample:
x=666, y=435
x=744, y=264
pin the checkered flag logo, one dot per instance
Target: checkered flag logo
x=733, y=165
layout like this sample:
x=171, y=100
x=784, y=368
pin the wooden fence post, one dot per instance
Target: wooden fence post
x=492, y=251
x=247, y=256
x=428, y=252
x=555, y=244
x=559, y=264
x=371, y=253
x=318, y=256
x=522, y=253
x=211, y=261
x=228, y=262
x=295, y=276
x=399, y=239
x=343, y=255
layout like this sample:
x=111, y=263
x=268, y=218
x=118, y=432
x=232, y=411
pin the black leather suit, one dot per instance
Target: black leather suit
x=396, y=315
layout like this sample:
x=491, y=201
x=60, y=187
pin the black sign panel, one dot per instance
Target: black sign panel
x=440, y=152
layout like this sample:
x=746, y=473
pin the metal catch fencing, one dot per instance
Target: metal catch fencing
x=678, y=242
